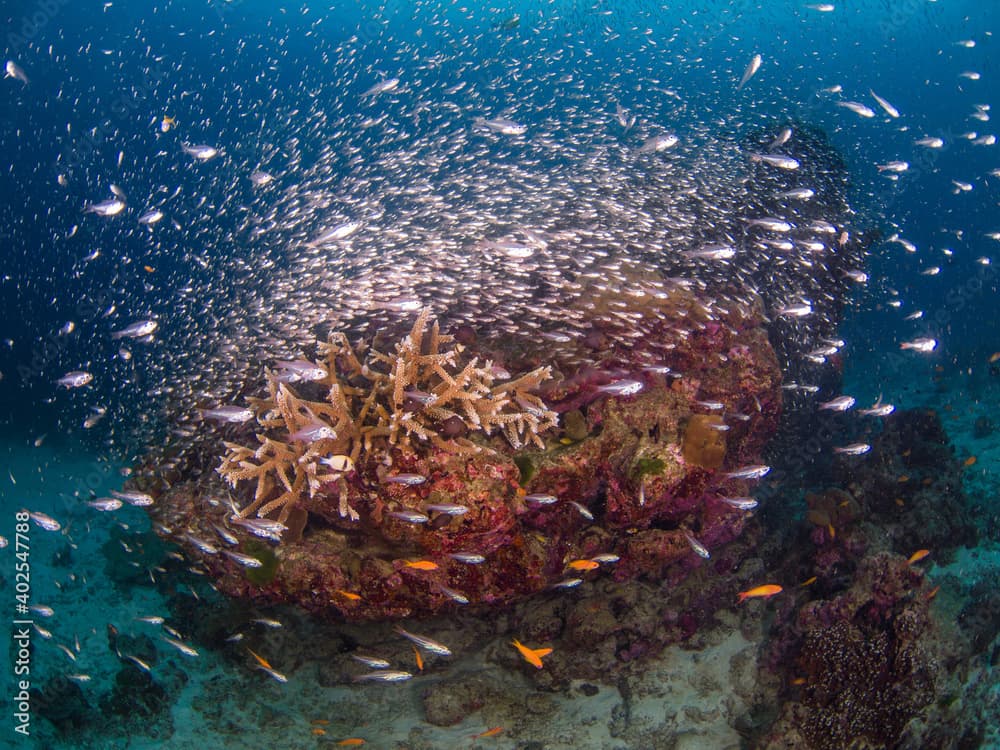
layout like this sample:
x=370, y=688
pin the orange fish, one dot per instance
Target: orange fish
x=351, y=742
x=149, y=269
x=422, y=564
x=763, y=592
x=903, y=478
x=799, y=681
x=970, y=461
x=348, y=595
x=488, y=733
x=809, y=581
x=260, y=659
x=532, y=655
x=583, y=565
x=419, y=658
x=318, y=731
x=917, y=556
x=831, y=531
x=932, y=593
x=994, y=357
x=324, y=722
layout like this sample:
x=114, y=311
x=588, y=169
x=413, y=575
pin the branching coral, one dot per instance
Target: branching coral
x=389, y=400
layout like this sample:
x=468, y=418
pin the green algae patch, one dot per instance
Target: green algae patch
x=645, y=467
x=269, y=563
x=526, y=466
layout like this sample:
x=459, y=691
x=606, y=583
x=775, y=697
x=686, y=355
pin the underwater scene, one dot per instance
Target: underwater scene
x=525, y=375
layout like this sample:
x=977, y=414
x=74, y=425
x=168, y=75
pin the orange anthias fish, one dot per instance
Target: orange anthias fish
x=583, y=565
x=351, y=742
x=349, y=595
x=532, y=655
x=419, y=659
x=493, y=732
x=917, y=556
x=760, y=592
x=422, y=564
x=260, y=659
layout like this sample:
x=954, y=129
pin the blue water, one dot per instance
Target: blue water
x=247, y=76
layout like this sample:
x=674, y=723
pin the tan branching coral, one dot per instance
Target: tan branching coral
x=395, y=400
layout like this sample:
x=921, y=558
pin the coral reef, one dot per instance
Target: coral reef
x=427, y=478
x=371, y=406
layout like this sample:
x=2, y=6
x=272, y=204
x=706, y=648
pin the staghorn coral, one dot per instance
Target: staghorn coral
x=389, y=400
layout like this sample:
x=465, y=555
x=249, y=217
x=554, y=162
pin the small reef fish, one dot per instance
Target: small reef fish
x=421, y=564
x=750, y=71
x=740, y=503
x=371, y=662
x=456, y=596
x=857, y=108
x=13, y=70
x=841, y=403
x=408, y=480
x=760, y=592
x=409, y=516
x=134, y=497
x=917, y=556
x=382, y=87
x=776, y=160
x=247, y=561
x=583, y=565
x=700, y=549
x=182, y=647
x=889, y=109
x=538, y=498
x=273, y=674
x=351, y=742
x=469, y=558
x=533, y=656
x=658, y=143
x=606, y=558
x=502, y=125
x=448, y=509
x=922, y=345
x=75, y=379
x=105, y=503
x=136, y=330
x=200, y=152
x=313, y=432
x=384, y=676
x=428, y=644
x=44, y=521
x=854, y=449
x=228, y=414
x=582, y=510
x=878, y=410
x=748, y=472
x=111, y=207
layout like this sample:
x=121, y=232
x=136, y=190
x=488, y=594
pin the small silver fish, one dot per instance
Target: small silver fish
x=371, y=661
x=409, y=516
x=469, y=558
x=700, y=549
x=75, y=379
x=748, y=472
x=424, y=642
x=409, y=480
x=750, y=71
x=385, y=676
x=182, y=647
